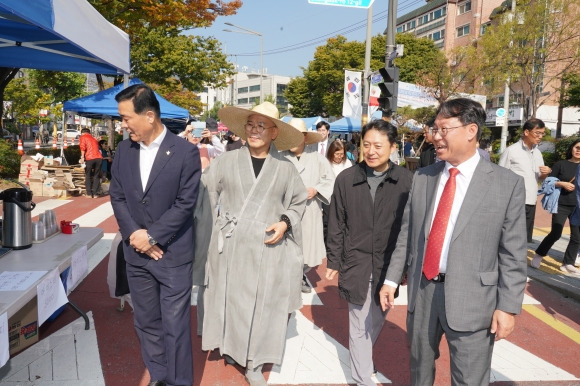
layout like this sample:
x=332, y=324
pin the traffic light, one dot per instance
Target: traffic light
x=389, y=89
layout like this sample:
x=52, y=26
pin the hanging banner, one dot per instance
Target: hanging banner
x=352, y=102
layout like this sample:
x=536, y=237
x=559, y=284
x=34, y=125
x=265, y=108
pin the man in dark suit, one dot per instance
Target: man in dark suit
x=323, y=128
x=463, y=245
x=154, y=186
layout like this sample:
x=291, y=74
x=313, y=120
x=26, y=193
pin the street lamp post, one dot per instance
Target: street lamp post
x=250, y=32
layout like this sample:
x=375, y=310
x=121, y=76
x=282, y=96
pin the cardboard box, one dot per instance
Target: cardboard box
x=27, y=162
x=23, y=327
x=35, y=186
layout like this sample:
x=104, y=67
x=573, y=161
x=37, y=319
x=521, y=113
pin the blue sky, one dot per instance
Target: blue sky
x=292, y=30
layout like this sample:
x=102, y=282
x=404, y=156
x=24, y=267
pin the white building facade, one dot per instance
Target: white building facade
x=245, y=89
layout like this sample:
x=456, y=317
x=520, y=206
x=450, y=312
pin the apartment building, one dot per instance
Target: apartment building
x=454, y=23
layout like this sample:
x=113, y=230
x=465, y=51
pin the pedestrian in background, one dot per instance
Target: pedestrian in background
x=92, y=158
x=318, y=178
x=337, y=157
x=107, y=159
x=153, y=193
x=366, y=210
x=525, y=159
x=564, y=174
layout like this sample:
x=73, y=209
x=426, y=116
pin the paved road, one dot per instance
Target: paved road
x=543, y=350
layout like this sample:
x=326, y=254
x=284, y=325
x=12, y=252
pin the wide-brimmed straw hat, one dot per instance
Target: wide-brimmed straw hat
x=311, y=136
x=235, y=118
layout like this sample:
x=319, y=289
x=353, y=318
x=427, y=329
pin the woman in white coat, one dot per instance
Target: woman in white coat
x=318, y=178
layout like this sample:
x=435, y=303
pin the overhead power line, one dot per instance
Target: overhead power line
x=323, y=38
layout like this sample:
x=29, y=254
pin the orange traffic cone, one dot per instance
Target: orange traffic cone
x=37, y=144
x=20, y=147
x=54, y=142
x=65, y=145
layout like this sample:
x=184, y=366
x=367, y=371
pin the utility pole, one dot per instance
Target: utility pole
x=506, y=97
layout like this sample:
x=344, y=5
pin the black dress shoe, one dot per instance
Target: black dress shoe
x=156, y=383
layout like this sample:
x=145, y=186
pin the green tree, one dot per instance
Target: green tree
x=320, y=90
x=572, y=93
x=420, y=57
x=175, y=93
x=24, y=104
x=61, y=85
x=535, y=48
x=212, y=112
x=160, y=50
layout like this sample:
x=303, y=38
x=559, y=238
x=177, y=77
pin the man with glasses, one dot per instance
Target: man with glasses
x=254, y=260
x=322, y=128
x=525, y=159
x=463, y=247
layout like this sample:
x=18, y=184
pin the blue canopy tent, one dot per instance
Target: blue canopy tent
x=345, y=125
x=310, y=122
x=103, y=103
x=61, y=35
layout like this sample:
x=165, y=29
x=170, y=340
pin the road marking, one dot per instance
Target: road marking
x=553, y=322
x=312, y=356
x=48, y=204
x=513, y=363
x=95, y=216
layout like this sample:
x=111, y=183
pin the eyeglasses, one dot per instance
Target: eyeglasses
x=539, y=134
x=443, y=131
x=260, y=127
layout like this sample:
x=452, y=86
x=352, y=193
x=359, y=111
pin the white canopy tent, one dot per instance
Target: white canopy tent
x=61, y=35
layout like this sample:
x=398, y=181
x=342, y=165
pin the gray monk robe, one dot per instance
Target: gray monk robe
x=316, y=172
x=251, y=286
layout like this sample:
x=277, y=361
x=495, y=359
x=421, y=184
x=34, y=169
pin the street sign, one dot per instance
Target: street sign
x=344, y=3
x=500, y=112
x=500, y=121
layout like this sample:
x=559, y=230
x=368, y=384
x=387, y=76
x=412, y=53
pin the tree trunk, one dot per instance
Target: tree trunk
x=561, y=106
x=6, y=75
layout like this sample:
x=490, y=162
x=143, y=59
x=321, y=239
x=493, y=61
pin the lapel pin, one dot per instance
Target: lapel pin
x=168, y=152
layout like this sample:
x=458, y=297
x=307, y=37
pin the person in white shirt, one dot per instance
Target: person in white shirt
x=336, y=155
x=323, y=128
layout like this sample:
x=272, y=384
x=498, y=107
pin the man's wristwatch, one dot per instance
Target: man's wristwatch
x=151, y=240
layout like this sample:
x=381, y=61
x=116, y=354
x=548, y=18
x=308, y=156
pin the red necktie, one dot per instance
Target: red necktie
x=439, y=227
x=322, y=148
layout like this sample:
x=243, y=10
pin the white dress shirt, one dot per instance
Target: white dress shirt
x=147, y=156
x=463, y=179
x=466, y=170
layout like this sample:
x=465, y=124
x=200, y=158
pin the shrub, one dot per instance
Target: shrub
x=562, y=146
x=550, y=158
x=9, y=160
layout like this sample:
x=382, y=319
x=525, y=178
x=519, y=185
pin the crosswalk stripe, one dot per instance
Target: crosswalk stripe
x=96, y=216
x=554, y=323
x=48, y=204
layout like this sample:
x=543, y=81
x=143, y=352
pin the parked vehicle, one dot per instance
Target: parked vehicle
x=70, y=134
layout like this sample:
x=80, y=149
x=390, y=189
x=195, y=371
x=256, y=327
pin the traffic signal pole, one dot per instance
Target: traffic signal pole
x=367, y=72
x=390, y=74
x=391, y=31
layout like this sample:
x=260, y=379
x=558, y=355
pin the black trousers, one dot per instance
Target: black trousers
x=92, y=176
x=530, y=216
x=558, y=221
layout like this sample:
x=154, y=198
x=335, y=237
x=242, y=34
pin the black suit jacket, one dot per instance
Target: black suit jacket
x=165, y=207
